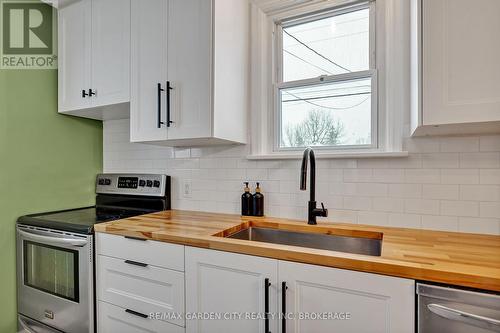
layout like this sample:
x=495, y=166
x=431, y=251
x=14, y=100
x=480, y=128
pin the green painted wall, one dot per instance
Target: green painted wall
x=47, y=161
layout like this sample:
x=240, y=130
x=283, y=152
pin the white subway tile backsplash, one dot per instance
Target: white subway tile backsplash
x=358, y=175
x=490, y=143
x=396, y=205
x=422, y=145
x=373, y=218
x=423, y=176
x=422, y=206
x=490, y=176
x=343, y=216
x=405, y=220
x=440, y=161
x=480, y=160
x=490, y=209
x=440, y=191
x=460, y=176
x=405, y=190
x=283, y=174
x=388, y=175
x=358, y=203
x=479, y=225
x=459, y=208
x=459, y=144
x=480, y=192
x=447, y=183
x=442, y=223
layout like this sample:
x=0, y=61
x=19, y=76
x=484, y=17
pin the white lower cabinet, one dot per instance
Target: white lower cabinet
x=111, y=319
x=198, y=290
x=339, y=300
x=139, y=285
x=347, y=301
x=143, y=288
x=221, y=283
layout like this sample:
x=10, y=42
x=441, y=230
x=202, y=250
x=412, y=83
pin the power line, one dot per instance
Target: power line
x=316, y=52
x=307, y=62
x=328, y=107
x=323, y=97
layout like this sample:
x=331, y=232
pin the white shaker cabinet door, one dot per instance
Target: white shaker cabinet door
x=148, y=70
x=110, y=52
x=461, y=67
x=74, y=48
x=372, y=303
x=222, y=283
x=190, y=68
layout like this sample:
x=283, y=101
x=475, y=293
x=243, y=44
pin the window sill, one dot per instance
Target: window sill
x=355, y=154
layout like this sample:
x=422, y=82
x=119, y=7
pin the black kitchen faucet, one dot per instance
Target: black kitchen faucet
x=313, y=212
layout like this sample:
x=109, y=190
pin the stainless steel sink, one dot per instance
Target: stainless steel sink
x=358, y=245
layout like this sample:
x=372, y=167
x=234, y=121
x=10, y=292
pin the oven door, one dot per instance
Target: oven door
x=55, y=278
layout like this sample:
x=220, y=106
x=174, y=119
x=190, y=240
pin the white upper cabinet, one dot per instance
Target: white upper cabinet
x=110, y=51
x=189, y=68
x=189, y=71
x=456, y=72
x=148, y=70
x=74, y=55
x=94, y=58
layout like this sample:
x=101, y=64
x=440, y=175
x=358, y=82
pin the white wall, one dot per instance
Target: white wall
x=450, y=183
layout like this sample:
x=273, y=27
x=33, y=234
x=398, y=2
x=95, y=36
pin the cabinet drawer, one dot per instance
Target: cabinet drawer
x=155, y=253
x=111, y=318
x=146, y=289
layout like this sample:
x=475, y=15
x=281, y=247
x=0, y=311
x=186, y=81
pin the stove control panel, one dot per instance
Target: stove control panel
x=133, y=184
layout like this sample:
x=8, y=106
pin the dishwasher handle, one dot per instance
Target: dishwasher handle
x=464, y=317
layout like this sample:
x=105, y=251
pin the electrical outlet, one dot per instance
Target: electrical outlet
x=186, y=188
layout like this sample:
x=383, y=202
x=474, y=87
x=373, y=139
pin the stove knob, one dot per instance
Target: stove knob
x=100, y=181
x=149, y=183
x=107, y=181
x=142, y=183
x=156, y=183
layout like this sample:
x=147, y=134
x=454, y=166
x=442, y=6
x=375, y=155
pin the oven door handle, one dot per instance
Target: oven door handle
x=25, y=326
x=464, y=317
x=54, y=240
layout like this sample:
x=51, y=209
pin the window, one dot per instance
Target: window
x=325, y=87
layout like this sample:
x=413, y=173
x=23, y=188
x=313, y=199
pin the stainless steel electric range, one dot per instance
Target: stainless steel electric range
x=55, y=252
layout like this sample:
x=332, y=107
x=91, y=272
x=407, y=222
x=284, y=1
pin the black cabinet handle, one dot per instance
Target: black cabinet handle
x=84, y=94
x=91, y=93
x=138, y=314
x=169, y=87
x=283, y=306
x=136, y=263
x=135, y=238
x=160, y=89
x=267, y=284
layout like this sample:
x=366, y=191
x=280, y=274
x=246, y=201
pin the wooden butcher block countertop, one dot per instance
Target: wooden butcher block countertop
x=461, y=259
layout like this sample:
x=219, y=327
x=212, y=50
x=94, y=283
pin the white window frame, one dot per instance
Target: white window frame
x=278, y=83
x=391, y=92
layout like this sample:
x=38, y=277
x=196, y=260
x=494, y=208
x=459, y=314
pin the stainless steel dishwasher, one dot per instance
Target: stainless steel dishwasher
x=450, y=310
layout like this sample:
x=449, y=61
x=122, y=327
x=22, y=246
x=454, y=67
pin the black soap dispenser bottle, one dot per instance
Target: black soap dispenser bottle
x=258, y=202
x=246, y=202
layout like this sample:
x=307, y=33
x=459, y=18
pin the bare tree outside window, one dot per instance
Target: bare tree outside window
x=319, y=128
